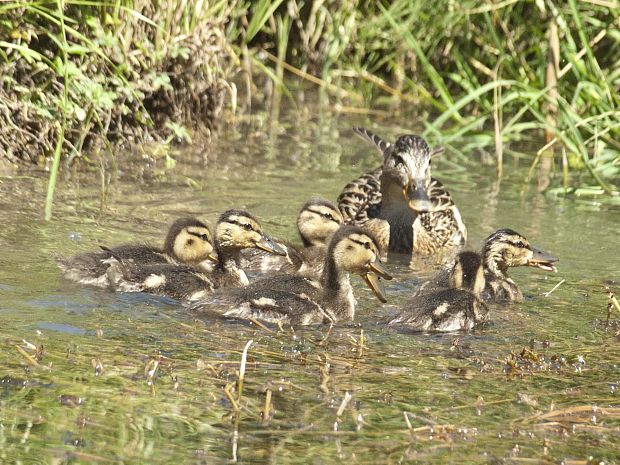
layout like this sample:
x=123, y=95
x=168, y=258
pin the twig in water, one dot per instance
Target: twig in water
x=409, y=427
x=343, y=405
x=329, y=331
x=31, y=361
x=260, y=325
x=244, y=358
x=267, y=407
x=230, y=397
x=149, y=370
x=547, y=294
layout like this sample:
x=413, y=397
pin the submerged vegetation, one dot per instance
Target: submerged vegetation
x=500, y=75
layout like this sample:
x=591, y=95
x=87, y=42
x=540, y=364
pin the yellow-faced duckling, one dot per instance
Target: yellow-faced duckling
x=188, y=242
x=454, y=309
x=235, y=230
x=421, y=215
x=318, y=219
x=299, y=300
x=503, y=249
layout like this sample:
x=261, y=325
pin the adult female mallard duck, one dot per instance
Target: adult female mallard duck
x=299, y=300
x=188, y=242
x=421, y=215
x=502, y=250
x=235, y=230
x=318, y=219
x=456, y=308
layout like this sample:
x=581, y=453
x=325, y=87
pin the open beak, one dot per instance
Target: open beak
x=542, y=260
x=270, y=246
x=373, y=276
x=415, y=194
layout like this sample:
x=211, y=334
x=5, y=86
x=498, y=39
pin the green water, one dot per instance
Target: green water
x=538, y=385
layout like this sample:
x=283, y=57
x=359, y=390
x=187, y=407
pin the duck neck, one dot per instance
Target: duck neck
x=337, y=291
x=494, y=263
x=228, y=262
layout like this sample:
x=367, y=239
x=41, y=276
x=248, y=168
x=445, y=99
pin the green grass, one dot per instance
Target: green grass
x=462, y=64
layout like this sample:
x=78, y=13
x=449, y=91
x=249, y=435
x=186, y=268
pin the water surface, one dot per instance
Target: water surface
x=89, y=376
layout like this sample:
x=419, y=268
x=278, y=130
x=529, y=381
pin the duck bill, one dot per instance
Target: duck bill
x=270, y=246
x=212, y=257
x=416, y=196
x=374, y=283
x=543, y=260
x=378, y=268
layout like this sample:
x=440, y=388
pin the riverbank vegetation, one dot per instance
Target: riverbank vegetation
x=78, y=75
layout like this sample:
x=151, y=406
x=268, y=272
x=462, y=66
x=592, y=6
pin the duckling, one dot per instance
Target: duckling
x=299, y=300
x=318, y=219
x=421, y=215
x=503, y=249
x=234, y=231
x=457, y=308
x=188, y=241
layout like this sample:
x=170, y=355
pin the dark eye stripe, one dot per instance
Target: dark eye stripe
x=327, y=216
x=204, y=237
x=246, y=226
x=363, y=244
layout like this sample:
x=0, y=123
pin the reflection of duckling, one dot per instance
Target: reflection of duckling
x=188, y=241
x=298, y=300
x=316, y=222
x=453, y=309
x=235, y=230
x=421, y=215
x=503, y=249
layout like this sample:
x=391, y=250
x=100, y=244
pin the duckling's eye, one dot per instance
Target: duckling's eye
x=327, y=216
x=520, y=244
x=367, y=245
x=247, y=227
x=204, y=237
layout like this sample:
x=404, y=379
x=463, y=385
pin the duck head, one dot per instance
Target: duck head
x=355, y=251
x=318, y=220
x=507, y=248
x=190, y=241
x=238, y=229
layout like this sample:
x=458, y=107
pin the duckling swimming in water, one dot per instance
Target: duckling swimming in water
x=457, y=308
x=299, y=300
x=503, y=249
x=318, y=219
x=235, y=230
x=188, y=241
x=420, y=213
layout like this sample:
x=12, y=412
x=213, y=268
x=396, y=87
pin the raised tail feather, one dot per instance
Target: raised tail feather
x=372, y=138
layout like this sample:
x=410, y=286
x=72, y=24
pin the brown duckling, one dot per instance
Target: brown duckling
x=502, y=250
x=318, y=219
x=235, y=230
x=299, y=300
x=454, y=309
x=188, y=241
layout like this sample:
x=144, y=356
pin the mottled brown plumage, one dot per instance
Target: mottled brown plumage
x=455, y=308
x=421, y=215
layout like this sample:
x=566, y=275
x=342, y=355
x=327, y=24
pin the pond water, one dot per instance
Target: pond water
x=89, y=376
